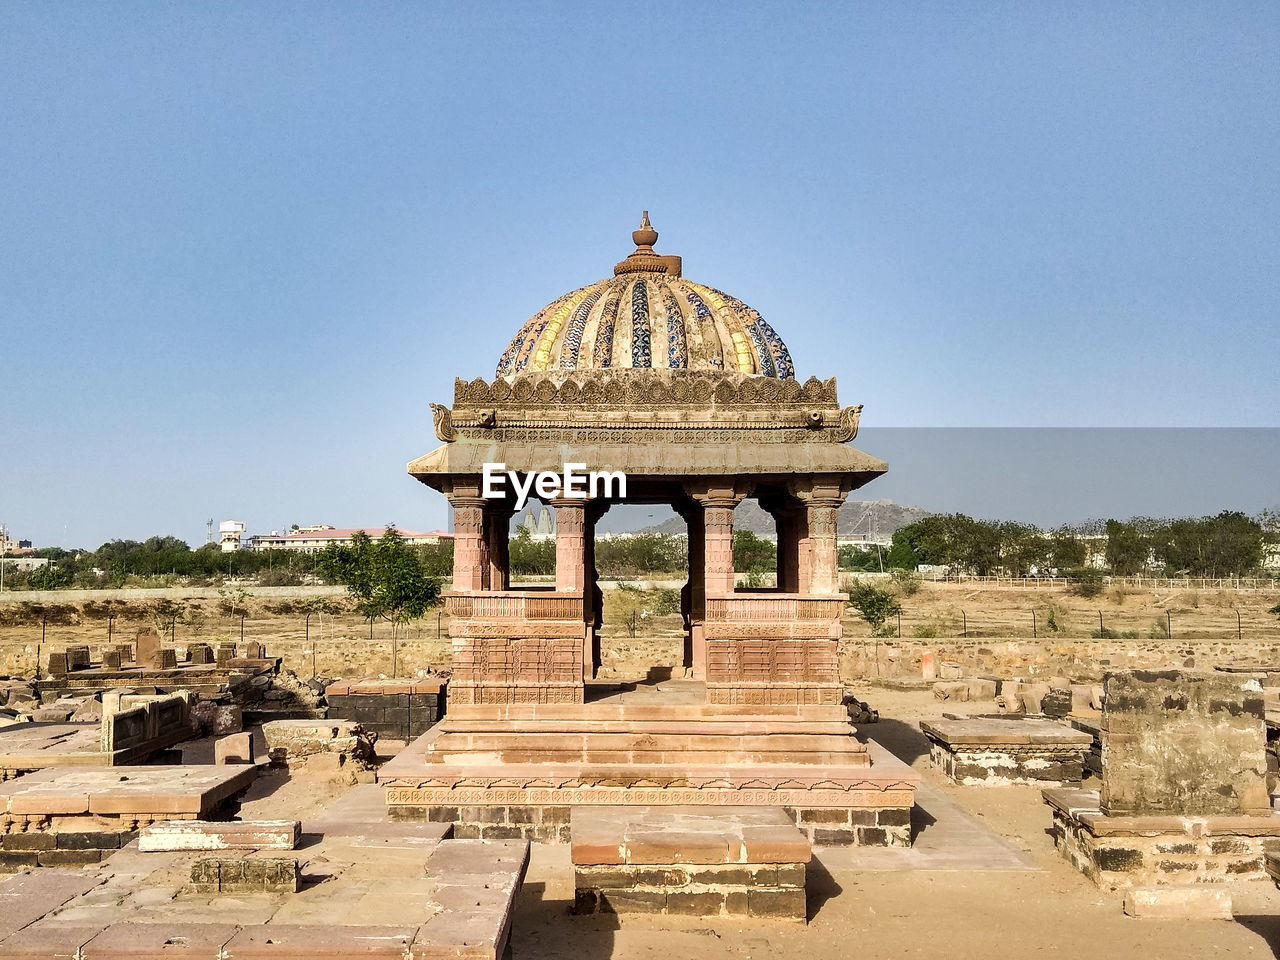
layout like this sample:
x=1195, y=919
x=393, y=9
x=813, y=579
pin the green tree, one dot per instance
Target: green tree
x=874, y=604
x=1066, y=550
x=1128, y=546
x=49, y=577
x=753, y=554
x=385, y=576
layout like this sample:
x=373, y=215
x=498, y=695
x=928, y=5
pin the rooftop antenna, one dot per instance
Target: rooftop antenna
x=208, y=530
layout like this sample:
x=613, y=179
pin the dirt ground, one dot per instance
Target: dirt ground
x=970, y=911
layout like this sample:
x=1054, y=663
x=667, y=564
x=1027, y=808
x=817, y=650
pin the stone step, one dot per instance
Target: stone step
x=638, y=711
x=691, y=742
x=709, y=726
x=669, y=759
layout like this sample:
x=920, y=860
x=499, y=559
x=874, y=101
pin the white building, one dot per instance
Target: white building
x=230, y=533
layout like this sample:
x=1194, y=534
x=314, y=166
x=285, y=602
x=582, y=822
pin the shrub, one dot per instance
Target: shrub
x=925, y=631
x=874, y=604
x=666, y=601
x=1087, y=582
x=905, y=582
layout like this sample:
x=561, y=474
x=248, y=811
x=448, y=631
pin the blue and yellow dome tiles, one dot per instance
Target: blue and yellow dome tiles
x=647, y=316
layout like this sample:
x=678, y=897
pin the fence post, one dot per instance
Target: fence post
x=1168, y=623
x=1034, y=635
x=965, y=620
x=1101, y=628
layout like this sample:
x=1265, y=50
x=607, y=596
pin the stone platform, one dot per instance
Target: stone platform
x=367, y=888
x=1119, y=852
x=726, y=862
x=71, y=815
x=519, y=770
x=993, y=752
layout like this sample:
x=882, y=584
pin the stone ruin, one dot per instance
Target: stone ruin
x=1184, y=803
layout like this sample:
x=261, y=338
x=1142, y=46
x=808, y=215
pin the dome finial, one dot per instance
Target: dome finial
x=646, y=236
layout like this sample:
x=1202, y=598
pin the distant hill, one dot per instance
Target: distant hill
x=873, y=519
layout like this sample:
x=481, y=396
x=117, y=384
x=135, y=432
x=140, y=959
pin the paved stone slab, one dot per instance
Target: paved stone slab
x=1199, y=902
x=48, y=941
x=124, y=791
x=27, y=897
x=159, y=941
x=216, y=835
x=318, y=942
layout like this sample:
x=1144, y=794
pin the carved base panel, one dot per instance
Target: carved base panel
x=517, y=670
x=511, y=693
x=771, y=694
x=780, y=664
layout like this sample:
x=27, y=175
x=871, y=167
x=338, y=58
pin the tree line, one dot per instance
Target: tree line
x=1230, y=544
x=1227, y=545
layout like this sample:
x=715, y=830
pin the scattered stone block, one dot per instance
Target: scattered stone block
x=1056, y=704
x=245, y=874
x=253, y=650
x=1081, y=698
x=78, y=657
x=928, y=666
x=89, y=711
x=981, y=688
x=57, y=664
x=199, y=653
x=224, y=654
x=218, y=719
x=172, y=835
x=951, y=690
x=1195, y=902
x=1033, y=695
x=291, y=741
x=1009, y=699
x=236, y=748
x=111, y=659
x=997, y=752
x=949, y=670
x=147, y=643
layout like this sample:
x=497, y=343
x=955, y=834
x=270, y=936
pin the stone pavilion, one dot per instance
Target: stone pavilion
x=693, y=395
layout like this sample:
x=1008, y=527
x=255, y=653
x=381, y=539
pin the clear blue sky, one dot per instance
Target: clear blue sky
x=243, y=245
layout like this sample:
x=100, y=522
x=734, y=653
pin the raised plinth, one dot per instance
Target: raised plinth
x=991, y=752
x=731, y=862
x=1119, y=852
x=520, y=770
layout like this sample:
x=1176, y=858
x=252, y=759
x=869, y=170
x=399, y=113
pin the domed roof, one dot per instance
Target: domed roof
x=647, y=316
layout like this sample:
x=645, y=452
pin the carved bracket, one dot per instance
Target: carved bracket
x=442, y=420
x=848, y=428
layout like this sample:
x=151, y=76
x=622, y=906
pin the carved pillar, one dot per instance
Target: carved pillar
x=593, y=599
x=693, y=595
x=717, y=504
x=717, y=525
x=470, y=552
x=498, y=544
x=790, y=520
x=821, y=501
x=571, y=568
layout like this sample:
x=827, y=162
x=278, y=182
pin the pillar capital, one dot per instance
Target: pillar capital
x=716, y=493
